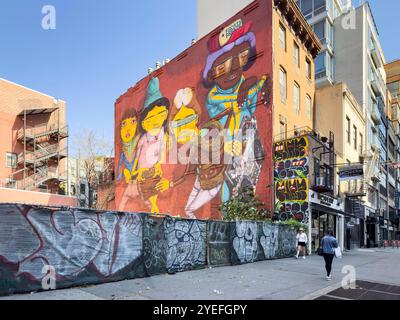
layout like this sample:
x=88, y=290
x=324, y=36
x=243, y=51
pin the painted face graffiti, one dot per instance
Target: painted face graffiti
x=186, y=119
x=228, y=69
x=128, y=129
x=155, y=120
x=127, y=158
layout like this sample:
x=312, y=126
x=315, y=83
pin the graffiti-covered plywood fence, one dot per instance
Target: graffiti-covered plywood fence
x=42, y=248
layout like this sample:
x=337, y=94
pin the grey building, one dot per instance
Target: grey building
x=212, y=13
x=353, y=55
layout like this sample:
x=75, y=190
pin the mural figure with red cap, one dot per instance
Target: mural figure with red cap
x=232, y=103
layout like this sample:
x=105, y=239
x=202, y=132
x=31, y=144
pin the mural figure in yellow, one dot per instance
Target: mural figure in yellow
x=152, y=145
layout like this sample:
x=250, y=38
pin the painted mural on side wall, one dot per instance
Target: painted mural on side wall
x=189, y=136
x=291, y=179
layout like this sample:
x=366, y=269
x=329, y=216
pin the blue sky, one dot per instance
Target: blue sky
x=102, y=47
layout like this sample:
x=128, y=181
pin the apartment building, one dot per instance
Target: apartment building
x=393, y=84
x=360, y=63
x=352, y=54
x=321, y=15
x=338, y=111
x=34, y=147
x=294, y=84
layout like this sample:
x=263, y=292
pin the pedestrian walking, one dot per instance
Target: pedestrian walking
x=329, y=244
x=302, y=241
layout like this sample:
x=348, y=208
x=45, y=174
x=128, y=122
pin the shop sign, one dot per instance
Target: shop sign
x=354, y=172
x=326, y=201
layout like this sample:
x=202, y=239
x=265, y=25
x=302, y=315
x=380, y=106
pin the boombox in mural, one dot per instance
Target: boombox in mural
x=196, y=132
x=291, y=179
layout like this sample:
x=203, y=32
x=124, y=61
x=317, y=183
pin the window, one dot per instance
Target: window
x=361, y=143
x=319, y=29
x=320, y=66
x=282, y=36
x=282, y=130
x=355, y=137
x=11, y=160
x=296, y=98
x=307, y=8
x=308, y=106
x=348, y=129
x=83, y=188
x=283, y=84
x=308, y=69
x=296, y=53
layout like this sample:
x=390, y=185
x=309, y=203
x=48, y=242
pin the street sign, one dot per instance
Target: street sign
x=355, y=172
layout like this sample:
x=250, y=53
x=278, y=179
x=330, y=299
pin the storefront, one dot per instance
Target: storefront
x=372, y=228
x=326, y=214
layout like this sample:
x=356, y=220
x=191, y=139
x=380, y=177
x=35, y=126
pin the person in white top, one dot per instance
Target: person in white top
x=302, y=241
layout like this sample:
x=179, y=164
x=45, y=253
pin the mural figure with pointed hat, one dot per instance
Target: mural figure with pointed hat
x=152, y=144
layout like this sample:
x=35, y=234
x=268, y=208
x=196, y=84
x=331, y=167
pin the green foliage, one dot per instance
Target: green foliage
x=295, y=224
x=245, y=207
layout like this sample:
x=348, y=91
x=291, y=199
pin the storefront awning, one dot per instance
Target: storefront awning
x=325, y=209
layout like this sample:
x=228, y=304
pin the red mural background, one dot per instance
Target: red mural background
x=184, y=90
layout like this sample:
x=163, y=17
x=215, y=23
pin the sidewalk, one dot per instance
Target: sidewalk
x=269, y=280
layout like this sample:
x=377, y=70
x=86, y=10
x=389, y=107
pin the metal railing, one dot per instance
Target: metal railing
x=41, y=153
x=40, y=130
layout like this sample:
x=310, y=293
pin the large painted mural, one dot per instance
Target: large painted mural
x=292, y=179
x=195, y=132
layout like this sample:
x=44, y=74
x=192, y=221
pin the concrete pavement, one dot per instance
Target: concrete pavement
x=286, y=279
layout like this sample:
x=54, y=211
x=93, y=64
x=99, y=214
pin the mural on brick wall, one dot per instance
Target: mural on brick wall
x=291, y=179
x=189, y=142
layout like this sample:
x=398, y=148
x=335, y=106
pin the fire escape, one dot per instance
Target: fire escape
x=39, y=163
x=354, y=197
